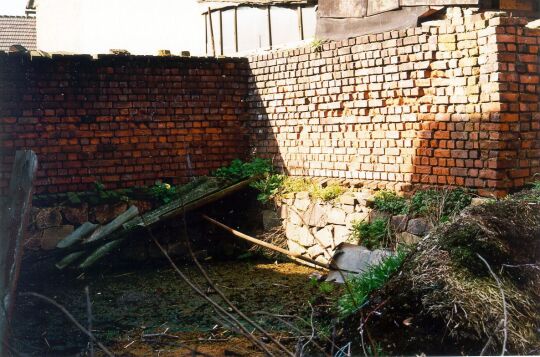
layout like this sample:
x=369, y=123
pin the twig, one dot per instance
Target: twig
x=505, y=312
x=282, y=320
x=225, y=299
x=204, y=296
x=89, y=317
x=72, y=319
x=312, y=331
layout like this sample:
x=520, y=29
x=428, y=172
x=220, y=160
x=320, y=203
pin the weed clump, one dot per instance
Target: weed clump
x=360, y=287
x=390, y=202
x=439, y=205
x=239, y=170
x=372, y=235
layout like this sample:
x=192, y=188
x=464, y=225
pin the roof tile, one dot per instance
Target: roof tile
x=17, y=30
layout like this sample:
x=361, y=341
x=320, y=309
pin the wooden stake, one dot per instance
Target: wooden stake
x=265, y=244
x=13, y=222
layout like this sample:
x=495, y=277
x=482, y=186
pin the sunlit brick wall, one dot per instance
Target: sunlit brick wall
x=454, y=102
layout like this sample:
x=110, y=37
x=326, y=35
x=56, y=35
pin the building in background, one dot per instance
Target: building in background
x=339, y=19
x=240, y=26
x=16, y=31
x=142, y=27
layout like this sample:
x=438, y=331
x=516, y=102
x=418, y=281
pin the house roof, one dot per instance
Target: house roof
x=17, y=30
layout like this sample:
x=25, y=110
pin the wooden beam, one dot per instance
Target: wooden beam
x=269, y=18
x=221, y=32
x=300, y=22
x=206, y=33
x=265, y=244
x=13, y=222
x=212, y=42
x=236, y=29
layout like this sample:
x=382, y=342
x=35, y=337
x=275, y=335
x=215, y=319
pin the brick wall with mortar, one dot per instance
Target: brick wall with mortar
x=453, y=102
x=120, y=120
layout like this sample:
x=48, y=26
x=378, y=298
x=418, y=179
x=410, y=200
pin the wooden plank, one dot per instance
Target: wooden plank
x=13, y=222
x=77, y=235
x=379, y=6
x=438, y=2
x=201, y=193
x=342, y=8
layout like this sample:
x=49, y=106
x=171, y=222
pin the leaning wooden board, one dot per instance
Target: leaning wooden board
x=196, y=194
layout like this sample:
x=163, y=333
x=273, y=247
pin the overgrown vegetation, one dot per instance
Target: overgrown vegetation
x=299, y=184
x=372, y=235
x=360, y=287
x=274, y=184
x=389, y=201
x=485, y=252
x=268, y=187
x=439, y=205
x=239, y=170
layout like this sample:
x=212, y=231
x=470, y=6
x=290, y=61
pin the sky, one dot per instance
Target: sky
x=12, y=7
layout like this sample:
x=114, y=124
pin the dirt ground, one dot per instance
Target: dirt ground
x=131, y=302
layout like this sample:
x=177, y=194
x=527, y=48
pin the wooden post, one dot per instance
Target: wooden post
x=211, y=32
x=268, y=15
x=206, y=33
x=300, y=22
x=221, y=32
x=13, y=222
x=236, y=29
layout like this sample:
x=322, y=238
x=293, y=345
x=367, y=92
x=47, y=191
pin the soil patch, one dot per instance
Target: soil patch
x=131, y=302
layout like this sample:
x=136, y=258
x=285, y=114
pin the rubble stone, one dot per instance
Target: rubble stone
x=418, y=226
x=52, y=235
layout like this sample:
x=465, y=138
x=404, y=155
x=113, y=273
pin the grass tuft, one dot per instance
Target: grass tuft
x=359, y=287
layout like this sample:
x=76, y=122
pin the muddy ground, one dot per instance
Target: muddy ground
x=130, y=302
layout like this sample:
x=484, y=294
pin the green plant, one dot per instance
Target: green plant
x=388, y=201
x=323, y=286
x=102, y=195
x=327, y=193
x=439, y=205
x=163, y=192
x=73, y=198
x=372, y=235
x=268, y=187
x=317, y=44
x=296, y=184
x=300, y=184
x=239, y=170
x=359, y=287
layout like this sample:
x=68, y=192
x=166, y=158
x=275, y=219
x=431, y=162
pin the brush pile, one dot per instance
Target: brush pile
x=446, y=300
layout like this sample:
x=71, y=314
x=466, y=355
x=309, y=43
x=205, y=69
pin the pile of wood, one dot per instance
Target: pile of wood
x=90, y=242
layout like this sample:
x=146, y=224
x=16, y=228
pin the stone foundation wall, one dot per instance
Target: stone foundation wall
x=314, y=228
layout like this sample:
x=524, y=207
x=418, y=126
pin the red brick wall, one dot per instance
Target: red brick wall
x=120, y=120
x=454, y=103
